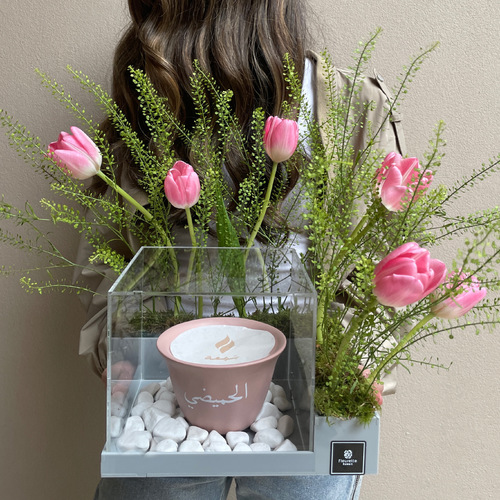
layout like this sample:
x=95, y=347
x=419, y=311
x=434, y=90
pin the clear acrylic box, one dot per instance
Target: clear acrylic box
x=269, y=286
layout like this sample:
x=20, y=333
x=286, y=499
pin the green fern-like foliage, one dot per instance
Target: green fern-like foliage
x=335, y=203
x=350, y=231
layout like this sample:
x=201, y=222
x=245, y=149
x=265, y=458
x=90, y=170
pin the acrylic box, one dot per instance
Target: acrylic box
x=151, y=295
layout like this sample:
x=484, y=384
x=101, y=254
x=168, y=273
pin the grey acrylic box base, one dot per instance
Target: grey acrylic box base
x=145, y=289
x=341, y=447
x=321, y=460
x=358, y=446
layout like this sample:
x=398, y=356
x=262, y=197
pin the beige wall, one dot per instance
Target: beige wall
x=440, y=435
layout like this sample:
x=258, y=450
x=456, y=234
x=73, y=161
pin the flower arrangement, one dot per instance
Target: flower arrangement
x=371, y=218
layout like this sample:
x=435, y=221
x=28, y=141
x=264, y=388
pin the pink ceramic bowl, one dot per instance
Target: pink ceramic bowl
x=221, y=397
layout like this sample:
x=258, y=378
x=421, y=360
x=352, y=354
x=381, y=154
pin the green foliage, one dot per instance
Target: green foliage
x=160, y=159
x=350, y=231
x=292, y=105
x=151, y=323
x=335, y=203
x=343, y=393
x=251, y=188
x=233, y=261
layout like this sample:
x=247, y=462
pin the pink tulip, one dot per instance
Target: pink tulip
x=377, y=388
x=364, y=372
x=76, y=154
x=397, y=180
x=407, y=275
x=458, y=305
x=182, y=185
x=280, y=138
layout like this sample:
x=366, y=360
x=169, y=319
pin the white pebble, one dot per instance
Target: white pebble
x=182, y=421
x=278, y=391
x=216, y=436
x=242, y=447
x=286, y=445
x=286, y=425
x=134, y=424
x=213, y=437
x=144, y=397
x=166, y=406
x=267, y=410
x=168, y=428
x=118, y=397
x=117, y=409
x=166, y=446
x=270, y=422
x=134, y=441
x=218, y=446
x=159, y=392
x=197, y=433
x=152, y=388
x=168, y=385
x=282, y=403
x=260, y=447
x=152, y=416
x=115, y=426
x=235, y=437
x=167, y=431
x=272, y=437
x=190, y=446
x=165, y=394
x=139, y=409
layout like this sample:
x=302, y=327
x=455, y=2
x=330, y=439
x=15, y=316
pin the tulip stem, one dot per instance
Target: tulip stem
x=320, y=317
x=265, y=206
x=191, y=259
x=133, y=202
x=347, y=337
x=191, y=227
x=125, y=195
x=148, y=217
x=359, y=232
x=401, y=345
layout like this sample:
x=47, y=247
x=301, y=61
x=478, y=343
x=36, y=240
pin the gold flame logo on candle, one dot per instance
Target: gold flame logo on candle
x=223, y=346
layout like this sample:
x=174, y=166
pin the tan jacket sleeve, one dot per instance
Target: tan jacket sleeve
x=377, y=116
x=380, y=115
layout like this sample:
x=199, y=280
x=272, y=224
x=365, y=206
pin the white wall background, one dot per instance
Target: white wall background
x=440, y=436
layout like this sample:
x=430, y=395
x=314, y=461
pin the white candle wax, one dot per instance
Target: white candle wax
x=222, y=345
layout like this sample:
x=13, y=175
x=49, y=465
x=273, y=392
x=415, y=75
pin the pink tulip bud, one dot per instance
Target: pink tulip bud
x=280, y=138
x=464, y=297
x=365, y=372
x=76, y=154
x=407, y=275
x=398, y=179
x=182, y=185
x=378, y=388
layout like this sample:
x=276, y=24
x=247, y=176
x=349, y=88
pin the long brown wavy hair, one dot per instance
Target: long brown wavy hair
x=241, y=43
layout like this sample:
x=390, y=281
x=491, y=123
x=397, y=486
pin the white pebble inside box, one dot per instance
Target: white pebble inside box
x=155, y=424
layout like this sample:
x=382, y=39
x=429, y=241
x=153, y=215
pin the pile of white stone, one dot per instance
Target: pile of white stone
x=156, y=424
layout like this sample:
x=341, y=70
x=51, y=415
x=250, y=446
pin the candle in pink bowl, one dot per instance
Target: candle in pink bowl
x=221, y=369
